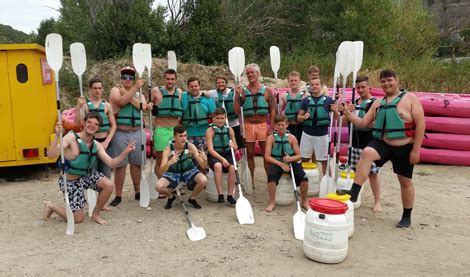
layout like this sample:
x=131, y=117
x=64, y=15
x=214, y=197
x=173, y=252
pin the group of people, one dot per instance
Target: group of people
x=196, y=130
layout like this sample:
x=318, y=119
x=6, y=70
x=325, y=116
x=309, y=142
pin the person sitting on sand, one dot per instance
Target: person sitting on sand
x=282, y=149
x=177, y=166
x=80, y=153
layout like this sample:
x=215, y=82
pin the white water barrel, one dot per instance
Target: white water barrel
x=343, y=183
x=285, y=190
x=313, y=175
x=326, y=231
x=349, y=213
x=211, y=191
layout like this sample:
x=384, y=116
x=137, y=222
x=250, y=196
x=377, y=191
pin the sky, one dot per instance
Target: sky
x=25, y=15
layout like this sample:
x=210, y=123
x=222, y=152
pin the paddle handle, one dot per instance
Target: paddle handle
x=186, y=213
x=296, y=193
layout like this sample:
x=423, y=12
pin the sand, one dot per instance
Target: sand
x=140, y=242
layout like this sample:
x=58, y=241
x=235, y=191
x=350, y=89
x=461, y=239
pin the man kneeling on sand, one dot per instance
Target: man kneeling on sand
x=80, y=153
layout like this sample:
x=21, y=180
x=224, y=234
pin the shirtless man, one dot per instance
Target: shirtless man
x=398, y=133
x=167, y=112
x=125, y=101
x=256, y=100
x=80, y=152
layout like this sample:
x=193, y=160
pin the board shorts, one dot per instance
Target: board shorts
x=356, y=156
x=119, y=143
x=76, y=188
x=212, y=160
x=275, y=172
x=162, y=136
x=255, y=132
x=238, y=136
x=399, y=155
x=314, y=144
x=187, y=177
x=296, y=130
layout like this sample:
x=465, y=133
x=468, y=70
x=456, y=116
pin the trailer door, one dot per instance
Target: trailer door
x=7, y=142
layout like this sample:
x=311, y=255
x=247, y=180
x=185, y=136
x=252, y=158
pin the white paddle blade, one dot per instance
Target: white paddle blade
x=240, y=60
x=345, y=67
x=148, y=55
x=275, y=55
x=70, y=219
x=54, y=52
x=358, y=56
x=324, y=184
x=244, y=210
x=144, y=192
x=232, y=62
x=196, y=233
x=78, y=57
x=91, y=199
x=299, y=225
x=138, y=57
x=152, y=181
x=172, y=64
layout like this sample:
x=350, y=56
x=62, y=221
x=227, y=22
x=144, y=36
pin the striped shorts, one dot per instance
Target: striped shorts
x=356, y=155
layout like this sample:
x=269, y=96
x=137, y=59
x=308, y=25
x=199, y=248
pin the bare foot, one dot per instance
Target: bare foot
x=270, y=207
x=47, y=210
x=377, y=208
x=98, y=219
x=106, y=208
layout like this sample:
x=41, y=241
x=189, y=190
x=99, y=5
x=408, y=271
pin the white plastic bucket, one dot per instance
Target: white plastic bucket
x=326, y=231
x=211, y=190
x=343, y=183
x=285, y=190
x=313, y=175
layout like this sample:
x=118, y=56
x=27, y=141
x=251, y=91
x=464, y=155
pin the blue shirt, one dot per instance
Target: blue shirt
x=316, y=130
x=208, y=105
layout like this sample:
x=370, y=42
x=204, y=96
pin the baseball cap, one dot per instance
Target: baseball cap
x=128, y=70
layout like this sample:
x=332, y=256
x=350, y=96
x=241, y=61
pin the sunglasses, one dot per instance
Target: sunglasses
x=127, y=77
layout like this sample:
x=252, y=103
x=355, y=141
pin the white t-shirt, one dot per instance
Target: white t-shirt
x=215, y=96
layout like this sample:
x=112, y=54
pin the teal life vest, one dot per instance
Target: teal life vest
x=388, y=121
x=227, y=100
x=195, y=115
x=261, y=106
x=104, y=126
x=86, y=159
x=185, y=162
x=281, y=146
x=362, y=110
x=128, y=116
x=317, y=111
x=170, y=105
x=221, y=139
x=292, y=106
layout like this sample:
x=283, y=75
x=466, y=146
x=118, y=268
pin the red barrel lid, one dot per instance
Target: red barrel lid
x=328, y=206
x=343, y=159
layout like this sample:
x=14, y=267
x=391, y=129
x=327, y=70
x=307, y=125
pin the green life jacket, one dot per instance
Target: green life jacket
x=281, y=146
x=292, y=106
x=128, y=116
x=227, y=100
x=195, y=115
x=362, y=108
x=221, y=139
x=261, y=107
x=185, y=162
x=104, y=127
x=85, y=161
x=317, y=111
x=388, y=121
x=170, y=105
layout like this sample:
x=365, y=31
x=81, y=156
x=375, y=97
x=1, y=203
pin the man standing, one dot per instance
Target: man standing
x=362, y=136
x=398, y=133
x=197, y=110
x=177, y=166
x=125, y=100
x=257, y=101
x=108, y=126
x=80, y=151
x=224, y=96
x=290, y=104
x=167, y=112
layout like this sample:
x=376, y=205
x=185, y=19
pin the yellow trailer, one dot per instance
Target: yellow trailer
x=28, y=110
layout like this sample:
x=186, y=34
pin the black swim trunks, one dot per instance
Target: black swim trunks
x=275, y=173
x=399, y=155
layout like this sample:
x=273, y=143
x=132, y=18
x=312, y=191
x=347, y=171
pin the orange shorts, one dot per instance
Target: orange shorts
x=256, y=132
